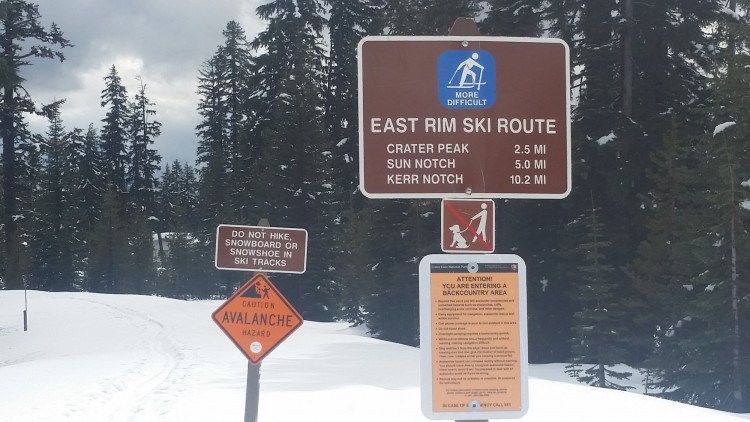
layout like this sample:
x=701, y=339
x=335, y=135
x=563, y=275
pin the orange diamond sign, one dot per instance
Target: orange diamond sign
x=257, y=318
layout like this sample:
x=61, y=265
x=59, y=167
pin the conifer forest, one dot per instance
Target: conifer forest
x=646, y=262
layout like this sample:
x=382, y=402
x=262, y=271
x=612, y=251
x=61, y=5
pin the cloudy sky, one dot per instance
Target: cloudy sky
x=165, y=42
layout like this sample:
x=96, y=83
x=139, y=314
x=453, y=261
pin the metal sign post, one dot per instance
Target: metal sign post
x=252, y=392
x=25, y=311
x=246, y=316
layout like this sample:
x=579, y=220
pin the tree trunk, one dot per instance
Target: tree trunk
x=12, y=274
x=737, y=380
x=627, y=60
x=12, y=271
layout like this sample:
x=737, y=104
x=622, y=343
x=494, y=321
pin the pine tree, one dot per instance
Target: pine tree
x=109, y=251
x=236, y=64
x=225, y=150
x=293, y=189
x=178, y=197
x=183, y=274
x=391, y=303
x=424, y=17
x=699, y=349
x=513, y=18
x=624, y=108
x=140, y=274
x=89, y=183
x=54, y=239
x=290, y=183
x=114, y=135
x=143, y=159
x=349, y=22
x=23, y=38
x=600, y=336
x=214, y=149
x=664, y=258
x=227, y=147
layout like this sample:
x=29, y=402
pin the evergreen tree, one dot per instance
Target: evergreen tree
x=227, y=146
x=140, y=273
x=178, y=197
x=349, y=22
x=664, y=258
x=516, y=18
x=293, y=43
x=236, y=63
x=226, y=152
x=290, y=184
x=54, y=239
x=439, y=15
x=109, y=251
x=623, y=106
x=293, y=189
x=600, y=337
x=701, y=340
x=143, y=159
x=23, y=38
x=142, y=183
x=28, y=165
x=214, y=149
x=391, y=303
x=114, y=135
x=424, y=17
x=89, y=183
x=183, y=273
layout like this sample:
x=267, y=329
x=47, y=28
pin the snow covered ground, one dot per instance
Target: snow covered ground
x=93, y=357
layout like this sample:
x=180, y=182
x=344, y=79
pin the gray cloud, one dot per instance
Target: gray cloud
x=165, y=42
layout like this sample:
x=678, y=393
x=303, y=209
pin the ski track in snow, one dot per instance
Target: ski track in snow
x=150, y=382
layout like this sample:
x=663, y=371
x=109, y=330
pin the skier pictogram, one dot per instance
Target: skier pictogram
x=467, y=72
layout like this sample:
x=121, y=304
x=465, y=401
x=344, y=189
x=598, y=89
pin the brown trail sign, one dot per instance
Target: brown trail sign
x=460, y=117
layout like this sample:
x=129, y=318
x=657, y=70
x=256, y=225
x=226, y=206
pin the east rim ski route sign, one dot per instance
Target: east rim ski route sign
x=468, y=226
x=261, y=248
x=473, y=337
x=257, y=317
x=455, y=116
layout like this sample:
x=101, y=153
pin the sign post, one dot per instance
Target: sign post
x=463, y=117
x=473, y=337
x=257, y=317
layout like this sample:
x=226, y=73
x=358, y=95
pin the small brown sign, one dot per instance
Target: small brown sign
x=452, y=117
x=258, y=248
